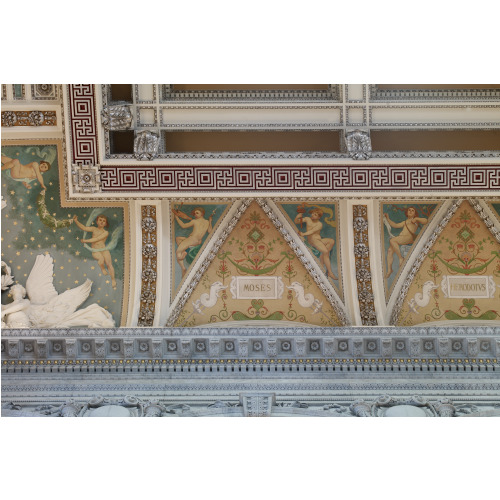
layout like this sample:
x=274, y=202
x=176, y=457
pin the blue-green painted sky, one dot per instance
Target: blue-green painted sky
x=24, y=235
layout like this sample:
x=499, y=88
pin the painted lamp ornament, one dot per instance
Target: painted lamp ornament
x=45, y=308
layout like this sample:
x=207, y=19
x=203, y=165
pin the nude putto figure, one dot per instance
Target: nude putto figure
x=98, y=244
x=25, y=173
x=313, y=234
x=200, y=225
x=406, y=237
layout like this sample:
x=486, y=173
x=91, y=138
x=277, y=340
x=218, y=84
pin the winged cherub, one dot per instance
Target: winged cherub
x=45, y=308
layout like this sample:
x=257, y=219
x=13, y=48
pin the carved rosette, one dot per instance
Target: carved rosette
x=146, y=144
x=118, y=117
x=358, y=144
x=149, y=266
x=44, y=91
x=29, y=118
x=362, y=263
x=86, y=178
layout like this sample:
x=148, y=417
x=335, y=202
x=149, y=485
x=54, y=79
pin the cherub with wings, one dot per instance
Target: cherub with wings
x=45, y=308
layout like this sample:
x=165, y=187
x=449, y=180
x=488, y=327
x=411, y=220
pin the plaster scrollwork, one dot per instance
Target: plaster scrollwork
x=41, y=348
x=13, y=348
x=146, y=145
x=257, y=405
x=300, y=347
x=45, y=308
x=157, y=348
x=214, y=348
x=99, y=348
x=185, y=350
x=445, y=408
x=243, y=348
x=444, y=347
x=69, y=408
x=116, y=117
x=360, y=408
x=329, y=347
x=153, y=408
x=71, y=348
x=414, y=406
x=128, y=348
x=472, y=347
x=272, y=348
x=358, y=144
x=357, y=347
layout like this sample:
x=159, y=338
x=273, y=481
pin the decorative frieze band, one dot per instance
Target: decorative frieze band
x=362, y=264
x=434, y=350
x=149, y=266
x=34, y=118
x=297, y=178
x=253, y=404
x=83, y=124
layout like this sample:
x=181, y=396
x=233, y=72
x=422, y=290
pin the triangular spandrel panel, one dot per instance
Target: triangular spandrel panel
x=401, y=227
x=256, y=276
x=316, y=223
x=192, y=227
x=459, y=279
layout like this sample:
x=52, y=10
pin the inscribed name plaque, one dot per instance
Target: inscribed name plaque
x=466, y=287
x=256, y=287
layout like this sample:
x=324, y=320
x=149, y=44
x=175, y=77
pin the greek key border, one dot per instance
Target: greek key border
x=296, y=178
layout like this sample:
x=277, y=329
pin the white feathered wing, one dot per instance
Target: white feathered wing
x=48, y=309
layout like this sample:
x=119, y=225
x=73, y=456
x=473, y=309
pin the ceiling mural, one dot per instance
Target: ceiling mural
x=249, y=251
x=402, y=226
x=257, y=276
x=317, y=225
x=85, y=244
x=459, y=278
x=192, y=226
